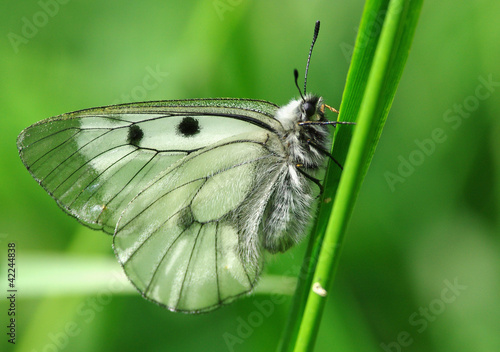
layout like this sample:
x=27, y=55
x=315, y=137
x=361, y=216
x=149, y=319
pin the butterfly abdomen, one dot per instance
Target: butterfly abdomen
x=288, y=211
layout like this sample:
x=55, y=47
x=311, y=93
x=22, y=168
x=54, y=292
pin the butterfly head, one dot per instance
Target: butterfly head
x=311, y=108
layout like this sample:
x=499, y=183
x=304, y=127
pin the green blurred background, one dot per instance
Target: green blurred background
x=426, y=217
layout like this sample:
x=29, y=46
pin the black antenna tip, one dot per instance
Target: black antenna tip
x=296, y=75
x=316, y=29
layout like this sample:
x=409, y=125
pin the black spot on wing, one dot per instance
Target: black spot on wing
x=188, y=127
x=135, y=135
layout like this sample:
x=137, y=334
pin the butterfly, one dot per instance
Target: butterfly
x=193, y=191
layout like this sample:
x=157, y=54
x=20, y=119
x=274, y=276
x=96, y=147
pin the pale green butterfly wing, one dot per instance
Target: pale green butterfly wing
x=179, y=239
x=94, y=161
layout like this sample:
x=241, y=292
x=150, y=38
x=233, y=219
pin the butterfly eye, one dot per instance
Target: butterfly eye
x=309, y=109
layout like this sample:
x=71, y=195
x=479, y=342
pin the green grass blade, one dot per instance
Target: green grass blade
x=353, y=93
x=382, y=46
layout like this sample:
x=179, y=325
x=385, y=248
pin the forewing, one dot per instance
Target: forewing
x=93, y=162
x=178, y=240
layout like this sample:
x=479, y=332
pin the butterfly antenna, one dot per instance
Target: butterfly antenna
x=296, y=75
x=315, y=36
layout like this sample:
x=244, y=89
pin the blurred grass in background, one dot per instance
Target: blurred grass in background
x=427, y=214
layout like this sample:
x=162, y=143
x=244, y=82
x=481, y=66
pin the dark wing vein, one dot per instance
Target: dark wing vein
x=184, y=184
x=128, y=182
x=51, y=135
x=170, y=217
x=189, y=263
x=51, y=150
x=73, y=154
x=161, y=260
x=84, y=164
x=99, y=175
